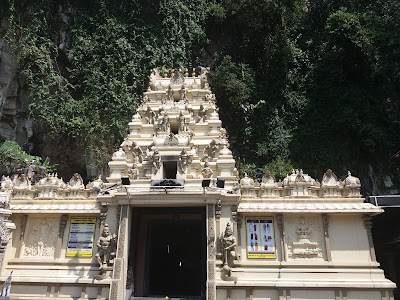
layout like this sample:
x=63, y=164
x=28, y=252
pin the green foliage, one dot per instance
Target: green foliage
x=11, y=152
x=308, y=83
x=86, y=66
x=279, y=167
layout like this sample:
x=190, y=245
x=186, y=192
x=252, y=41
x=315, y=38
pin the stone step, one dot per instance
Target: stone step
x=170, y=298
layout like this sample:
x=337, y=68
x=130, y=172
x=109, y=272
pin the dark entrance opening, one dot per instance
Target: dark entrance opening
x=170, y=169
x=175, y=259
x=170, y=256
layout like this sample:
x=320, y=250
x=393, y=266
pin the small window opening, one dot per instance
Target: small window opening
x=170, y=169
x=174, y=127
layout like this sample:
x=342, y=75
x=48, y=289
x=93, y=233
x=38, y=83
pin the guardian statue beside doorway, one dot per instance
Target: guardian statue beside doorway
x=228, y=241
x=106, y=246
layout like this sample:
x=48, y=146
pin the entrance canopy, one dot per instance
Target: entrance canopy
x=385, y=200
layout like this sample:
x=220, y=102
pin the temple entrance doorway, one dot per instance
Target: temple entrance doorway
x=169, y=252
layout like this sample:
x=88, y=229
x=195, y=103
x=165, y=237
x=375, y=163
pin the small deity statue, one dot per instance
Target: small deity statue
x=182, y=122
x=76, y=182
x=164, y=124
x=182, y=93
x=137, y=152
x=170, y=93
x=203, y=75
x=156, y=160
x=22, y=181
x=177, y=77
x=106, y=245
x=145, y=97
x=228, y=242
x=210, y=98
x=303, y=231
x=171, y=140
x=223, y=137
x=150, y=116
x=201, y=116
x=133, y=172
x=6, y=183
x=193, y=149
x=207, y=172
x=210, y=150
x=184, y=160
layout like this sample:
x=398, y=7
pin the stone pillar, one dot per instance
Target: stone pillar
x=5, y=235
x=63, y=224
x=118, y=283
x=24, y=219
x=218, y=228
x=368, y=226
x=281, y=237
x=211, y=287
x=236, y=230
x=325, y=224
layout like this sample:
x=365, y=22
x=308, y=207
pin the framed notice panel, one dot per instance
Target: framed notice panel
x=260, y=238
x=81, y=236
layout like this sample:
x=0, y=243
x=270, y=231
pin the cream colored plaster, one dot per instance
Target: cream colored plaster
x=349, y=241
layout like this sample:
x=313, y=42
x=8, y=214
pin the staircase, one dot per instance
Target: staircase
x=158, y=298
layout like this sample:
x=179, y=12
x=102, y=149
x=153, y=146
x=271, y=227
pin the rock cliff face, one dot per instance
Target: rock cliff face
x=16, y=124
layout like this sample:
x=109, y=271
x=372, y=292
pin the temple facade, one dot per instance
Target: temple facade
x=173, y=219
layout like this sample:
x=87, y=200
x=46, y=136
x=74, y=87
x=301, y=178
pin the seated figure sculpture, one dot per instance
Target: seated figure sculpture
x=106, y=245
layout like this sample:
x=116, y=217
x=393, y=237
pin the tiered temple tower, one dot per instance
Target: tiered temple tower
x=173, y=219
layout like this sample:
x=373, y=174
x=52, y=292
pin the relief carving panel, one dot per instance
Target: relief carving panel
x=304, y=237
x=41, y=237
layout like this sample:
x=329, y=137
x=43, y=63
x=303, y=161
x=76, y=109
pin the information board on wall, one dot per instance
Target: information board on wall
x=81, y=236
x=260, y=238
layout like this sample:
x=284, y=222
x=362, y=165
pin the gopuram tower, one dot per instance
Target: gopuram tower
x=174, y=220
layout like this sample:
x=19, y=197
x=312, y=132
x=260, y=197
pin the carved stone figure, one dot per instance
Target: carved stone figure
x=201, y=115
x=223, y=137
x=182, y=93
x=106, y=246
x=182, y=122
x=177, y=77
x=192, y=151
x=171, y=140
x=203, y=76
x=96, y=185
x=163, y=124
x=228, y=242
x=210, y=150
x=137, y=152
x=150, y=116
x=133, y=172
x=210, y=98
x=21, y=181
x=184, y=160
x=76, y=182
x=170, y=93
x=207, y=172
x=303, y=247
x=156, y=160
x=6, y=183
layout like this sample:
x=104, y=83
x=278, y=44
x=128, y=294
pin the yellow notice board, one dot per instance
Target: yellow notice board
x=81, y=236
x=260, y=238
